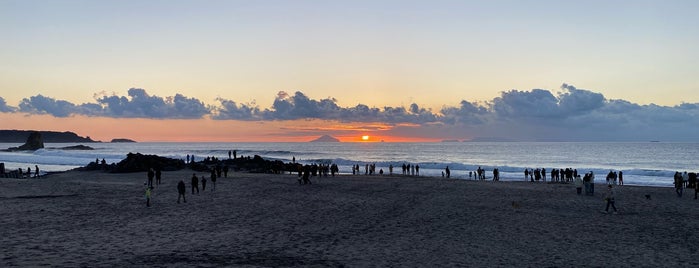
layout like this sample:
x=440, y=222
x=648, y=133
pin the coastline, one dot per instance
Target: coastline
x=88, y=218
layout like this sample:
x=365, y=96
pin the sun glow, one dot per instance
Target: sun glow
x=365, y=138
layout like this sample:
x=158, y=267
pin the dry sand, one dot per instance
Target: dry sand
x=261, y=220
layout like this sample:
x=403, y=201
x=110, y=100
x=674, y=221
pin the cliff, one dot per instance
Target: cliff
x=20, y=136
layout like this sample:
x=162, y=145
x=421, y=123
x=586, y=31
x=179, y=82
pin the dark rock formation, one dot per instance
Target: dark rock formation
x=17, y=136
x=140, y=163
x=78, y=147
x=34, y=142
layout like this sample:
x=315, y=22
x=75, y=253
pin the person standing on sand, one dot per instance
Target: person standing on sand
x=213, y=180
x=195, y=183
x=609, y=197
x=578, y=184
x=678, y=184
x=203, y=183
x=448, y=172
x=181, y=190
x=158, y=176
x=148, y=189
x=621, y=177
x=592, y=183
x=151, y=174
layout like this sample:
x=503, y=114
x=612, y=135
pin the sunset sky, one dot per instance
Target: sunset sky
x=392, y=70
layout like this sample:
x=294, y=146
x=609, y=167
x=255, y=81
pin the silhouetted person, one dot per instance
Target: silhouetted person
x=621, y=177
x=181, y=191
x=203, y=183
x=151, y=175
x=213, y=180
x=36, y=172
x=448, y=172
x=195, y=183
x=229, y=154
x=235, y=154
x=158, y=176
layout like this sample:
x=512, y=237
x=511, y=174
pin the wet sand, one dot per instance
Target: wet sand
x=263, y=220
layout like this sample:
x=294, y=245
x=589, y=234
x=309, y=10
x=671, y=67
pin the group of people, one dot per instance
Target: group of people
x=686, y=180
x=21, y=174
x=156, y=173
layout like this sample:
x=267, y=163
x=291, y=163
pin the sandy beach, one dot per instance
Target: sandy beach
x=97, y=219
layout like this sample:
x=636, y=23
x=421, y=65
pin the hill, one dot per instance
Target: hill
x=20, y=136
x=326, y=138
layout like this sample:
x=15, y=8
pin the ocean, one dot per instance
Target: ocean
x=643, y=163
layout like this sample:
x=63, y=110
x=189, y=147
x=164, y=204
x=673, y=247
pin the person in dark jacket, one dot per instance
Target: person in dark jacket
x=181, y=190
x=195, y=183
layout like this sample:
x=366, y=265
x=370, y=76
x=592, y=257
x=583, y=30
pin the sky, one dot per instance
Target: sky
x=392, y=70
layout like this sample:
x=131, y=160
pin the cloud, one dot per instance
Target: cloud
x=137, y=105
x=299, y=106
x=45, y=105
x=4, y=108
x=568, y=114
x=142, y=105
x=230, y=110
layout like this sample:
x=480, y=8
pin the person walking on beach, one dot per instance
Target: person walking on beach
x=195, y=183
x=36, y=171
x=181, y=190
x=447, y=171
x=203, y=183
x=609, y=197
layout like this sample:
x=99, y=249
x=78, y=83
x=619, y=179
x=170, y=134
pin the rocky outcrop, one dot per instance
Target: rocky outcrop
x=77, y=147
x=140, y=163
x=34, y=142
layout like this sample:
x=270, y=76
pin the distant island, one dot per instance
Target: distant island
x=122, y=140
x=326, y=138
x=489, y=139
x=20, y=136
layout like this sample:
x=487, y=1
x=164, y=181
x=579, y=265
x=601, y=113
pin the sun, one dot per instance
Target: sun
x=365, y=138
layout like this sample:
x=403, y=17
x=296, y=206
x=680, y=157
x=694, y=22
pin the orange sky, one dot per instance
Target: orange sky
x=203, y=130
